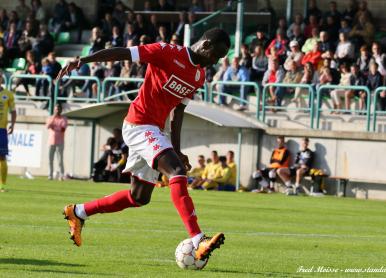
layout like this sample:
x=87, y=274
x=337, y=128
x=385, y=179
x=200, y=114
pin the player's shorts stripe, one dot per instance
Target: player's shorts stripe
x=134, y=53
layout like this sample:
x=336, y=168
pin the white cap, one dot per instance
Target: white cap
x=293, y=43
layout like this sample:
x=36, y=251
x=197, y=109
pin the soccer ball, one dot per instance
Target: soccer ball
x=185, y=254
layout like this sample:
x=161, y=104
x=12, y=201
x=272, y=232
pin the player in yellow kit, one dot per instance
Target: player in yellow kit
x=7, y=104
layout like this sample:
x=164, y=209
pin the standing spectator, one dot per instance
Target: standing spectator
x=236, y=73
x=259, y=64
x=295, y=55
x=357, y=79
x=274, y=74
x=309, y=44
x=314, y=56
x=293, y=76
x=345, y=50
x=301, y=168
x=56, y=126
x=364, y=60
x=38, y=10
x=337, y=94
x=375, y=80
x=23, y=10
x=259, y=40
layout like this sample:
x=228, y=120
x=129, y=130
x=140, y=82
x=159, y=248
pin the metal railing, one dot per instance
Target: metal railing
x=5, y=80
x=338, y=87
x=237, y=83
x=311, y=93
x=375, y=111
x=115, y=79
x=27, y=97
x=72, y=98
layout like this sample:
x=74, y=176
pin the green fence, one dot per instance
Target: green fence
x=236, y=83
x=375, y=101
x=352, y=88
x=284, y=85
x=36, y=77
x=115, y=79
x=5, y=80
x=83, y=78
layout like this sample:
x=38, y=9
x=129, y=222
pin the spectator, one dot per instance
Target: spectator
x=280, y=158
x=259, y=40
x=364, y=60
x=308, y=30
x=379, y=58
x=309, y=77
x=236, y=73
x=11, y=37
x=116, y=37
x=44, y=43
x=61, y=15
x=313, y=11
x=107, y=24
x=363, y=31
x=295, y=55
x=303, y=163
x=147, y=6
x=297, y=35
x=194, y=175
x=345, y=50
x=298, y=21
x=23, y=10
x=141, y=25
x=3, y=19
x=223, y=180
x=310, y=42
x=314, y=56
x=293, y=76
x=119, y=13
x=337, y=94
x=274, y=74
x=282, y=26
x=375, y=80
x=195, y=6
x=334, y=16
x=38, y=10
x=279, y=43
x=232, y=166
x=325, y=43
x=259, y=64
x=26, y=39
x=14, y=18
x=122, y=86
x=332, y=28
x=56, y=126
x=153, y=27
x=344, y=26
x=246, y=58
x=350, y=12
x=130, y=33
x=182, y=20
x=163, y=5
x=97, y=40
x=4, y=61
x=32, y=67
x=363, y=10
x=357, y=79
x=210, y=170
x=162, y=35
x=84, y=85
x=219, y=75
x=76, y=20
x=116, y=160
x=99, y=174
x=175, y=40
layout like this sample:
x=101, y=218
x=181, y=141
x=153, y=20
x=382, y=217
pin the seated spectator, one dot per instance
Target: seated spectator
x=259, y=64
x=141, y=25
x=236, y=73
x=99, y=174
x=219, y=75
x=221, y=179
x=350, y=12
x=313, y=56
x=375, y=80
x=332, y=28
x=279, y=43
x=298, y=22
x=345, y=50
x=119, y=13
x=97, y=40
x=107, y=24
x=175, y=40
x=3, y=19
x=364, y=60
x=297, y=35
x=313, y=23
x=38, y=10
x=44, y=42
x=163, y=5
x=210, y=170
x=259, y=40
x=76, y=20
x=274, y=74
x=313, y=10
x=332, y=13
x=116, y=37
x=362, y=32
x=310, y=42
x=282, y=26
x=294, y=55
x=182, y=17
x=26, y=39
x=194, y=175
x=337, y=94
x=32, y=67
x=11, y=37
x=123, y=86
x=293, y=76
x=61, y=15
x=23, y=10
x=14, y=18
x=303, y=163
x=116, y=160
x=162, y=35
x=357, y=79
x=379, y=58
x=245, y=57
x=326, y=43
x=344, y=27
x=195, y=6
x=363, y=10
x=130, y=34
x=152, y=31
x=280, y=158
x=309, y=77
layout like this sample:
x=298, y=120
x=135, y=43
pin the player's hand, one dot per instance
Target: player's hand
x=185, y=161
x=10, y=129
x=74, y=64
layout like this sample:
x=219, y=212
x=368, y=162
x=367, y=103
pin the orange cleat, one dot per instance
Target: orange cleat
x=208, y=244
x=75, y=223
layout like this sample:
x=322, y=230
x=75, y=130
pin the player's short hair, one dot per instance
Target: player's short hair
x=201, y=156
x=306, y=139
x=222, y=159
x=214, y=152
x=231, y=153
x=281, y=137
x=217, y=35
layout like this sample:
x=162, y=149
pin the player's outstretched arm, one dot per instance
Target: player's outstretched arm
x=105, y=55
x=176, y=119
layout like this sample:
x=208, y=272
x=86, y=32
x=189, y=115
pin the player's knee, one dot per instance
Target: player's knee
x=141, y=200
x=177, y=171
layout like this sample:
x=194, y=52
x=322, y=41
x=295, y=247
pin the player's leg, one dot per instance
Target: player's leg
x=169, y=164
x=51, y=153
x=3, y=172
x=60, y=149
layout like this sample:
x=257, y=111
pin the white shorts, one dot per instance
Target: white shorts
x=146, y=143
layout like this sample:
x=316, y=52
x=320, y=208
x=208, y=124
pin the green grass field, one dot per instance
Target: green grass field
x=266, y=235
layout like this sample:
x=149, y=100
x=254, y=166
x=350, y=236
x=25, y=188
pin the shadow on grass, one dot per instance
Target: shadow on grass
x=260, y=273
x=19, y=261
x=60, y=272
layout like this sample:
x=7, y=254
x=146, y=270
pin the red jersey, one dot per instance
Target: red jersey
x=171, y=78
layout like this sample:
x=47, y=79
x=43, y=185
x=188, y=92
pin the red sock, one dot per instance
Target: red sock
x=112, y=203
x=184, y=204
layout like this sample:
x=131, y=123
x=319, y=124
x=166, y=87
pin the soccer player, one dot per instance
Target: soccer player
x=173, y=75
x=7, y=103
